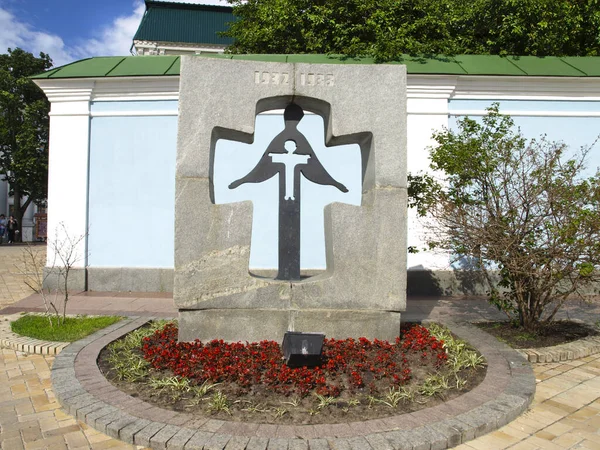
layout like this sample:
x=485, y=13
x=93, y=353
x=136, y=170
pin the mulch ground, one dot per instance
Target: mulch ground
x=559, y=332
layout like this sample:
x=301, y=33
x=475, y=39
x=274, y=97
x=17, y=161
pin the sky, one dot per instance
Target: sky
x=69, y=30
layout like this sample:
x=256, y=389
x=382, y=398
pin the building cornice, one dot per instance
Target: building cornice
x=503, y=87
x=115, y=89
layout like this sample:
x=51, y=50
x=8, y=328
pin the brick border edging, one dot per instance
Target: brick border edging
x=503, y=395
x=26, y=344
x=564, y=352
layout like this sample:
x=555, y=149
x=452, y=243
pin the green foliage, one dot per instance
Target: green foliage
x=435, y=384
x=50, y=328
x=325, y=401
x=386, y=29
x=219, y=402
x=23, y=128
x=519, y=210
x=125, y=358
x=175, y=383
x=460, y=355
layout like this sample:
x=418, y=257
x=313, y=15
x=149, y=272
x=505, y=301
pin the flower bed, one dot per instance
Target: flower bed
x=358, y=378
x=347, y=364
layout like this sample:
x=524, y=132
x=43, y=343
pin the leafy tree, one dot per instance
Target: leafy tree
x=518, y=208
x=386, y=29
x=23, y=128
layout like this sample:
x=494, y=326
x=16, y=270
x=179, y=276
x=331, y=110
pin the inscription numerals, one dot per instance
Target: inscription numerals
x=317, y=79
x=271, y=78
x=306, y=79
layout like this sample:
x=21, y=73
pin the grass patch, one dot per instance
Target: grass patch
x=73, y=329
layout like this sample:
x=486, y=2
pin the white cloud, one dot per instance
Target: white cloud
x=15, y=33
x=116, y=38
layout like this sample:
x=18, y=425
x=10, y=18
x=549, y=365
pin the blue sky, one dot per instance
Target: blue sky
x=69, y=30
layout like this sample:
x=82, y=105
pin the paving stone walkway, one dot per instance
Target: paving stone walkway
x=30, y=416
x=12, y=287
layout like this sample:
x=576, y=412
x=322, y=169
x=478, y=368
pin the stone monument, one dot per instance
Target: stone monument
x=363, y=290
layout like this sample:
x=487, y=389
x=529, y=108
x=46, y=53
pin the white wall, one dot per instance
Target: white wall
x=130, y=118
x=132, y=184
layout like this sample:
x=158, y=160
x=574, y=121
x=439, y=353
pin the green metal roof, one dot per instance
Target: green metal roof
x=550, y=66
x=183, y=22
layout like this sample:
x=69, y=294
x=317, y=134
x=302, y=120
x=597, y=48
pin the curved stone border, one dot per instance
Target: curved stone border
x=504, y=394
x=564, y=352
x=8, y=339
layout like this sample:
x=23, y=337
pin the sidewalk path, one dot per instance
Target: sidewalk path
x=12, y=287
x=565, y=413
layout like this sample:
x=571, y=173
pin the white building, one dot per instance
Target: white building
x=113, y=149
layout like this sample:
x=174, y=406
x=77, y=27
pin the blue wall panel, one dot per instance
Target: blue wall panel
x=132, y=190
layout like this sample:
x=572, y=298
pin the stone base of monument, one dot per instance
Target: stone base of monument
x=254, y=325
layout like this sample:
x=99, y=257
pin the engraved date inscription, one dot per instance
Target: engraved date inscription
x=317, y=79
x=271, y=77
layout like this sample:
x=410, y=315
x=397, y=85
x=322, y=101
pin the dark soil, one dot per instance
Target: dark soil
x=261, y=406
x=559, y=332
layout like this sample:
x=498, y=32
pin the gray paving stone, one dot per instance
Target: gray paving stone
x=178, y=441
x=359, y=443
x=400, y=440
x=479, y=424
x=143, y=436
x=277, y=444
x=378, y=441
x=101, y=423
x=80, y=401
x=198, y=440
x=160, y=439
x=91, y=418
x=114, y=428
x=217, y=442
x=64, y=393
x=297, y=444
x=418, y=439
x=237, y=443
x=436, y=439
x=464, y=431
x=257, y=443
x=318, y=444
x=339, y=444
x=127, y=434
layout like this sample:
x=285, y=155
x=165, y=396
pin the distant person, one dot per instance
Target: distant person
x=2, y=227
x=13, y=229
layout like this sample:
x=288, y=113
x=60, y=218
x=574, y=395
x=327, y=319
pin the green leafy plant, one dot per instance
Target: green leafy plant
x=324, y=401
x=434, y=385
x=219, y=402
x=129, y=367
x=124, y=357
x=280, y=412
x=460, y=356
x=295, y=402
x=172, y=383
x=203, y=389
x=256, y=408
x=395, y=396
x=521, y=213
